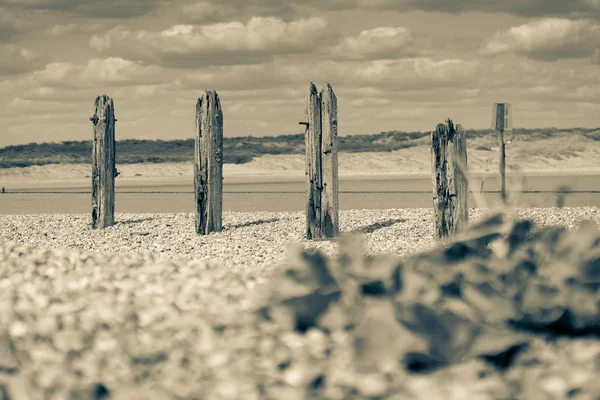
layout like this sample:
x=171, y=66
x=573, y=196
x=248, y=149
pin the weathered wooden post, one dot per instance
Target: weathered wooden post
x=322, y=207
x=208, y=164
x=103, y=163
x=330, y=225
x=312, y=142
x=502, y=122
x=450, y=185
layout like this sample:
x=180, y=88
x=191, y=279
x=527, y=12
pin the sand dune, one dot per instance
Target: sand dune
x=413, y=161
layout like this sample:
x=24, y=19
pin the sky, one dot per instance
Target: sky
x=394, y=64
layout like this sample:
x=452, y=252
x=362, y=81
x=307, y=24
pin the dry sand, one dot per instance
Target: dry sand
x=415, y=161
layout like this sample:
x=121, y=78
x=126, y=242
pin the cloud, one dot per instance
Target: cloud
x=522, y=8
x=118, y=9
x=548, y=39
x=15, y=24
x=98, y=72
x=61, y=29
x=403, y=74
x=378, y=43
x=185, y=46
x=104, y=41
x=372, y=78
x=204, y=11
x=15, y=60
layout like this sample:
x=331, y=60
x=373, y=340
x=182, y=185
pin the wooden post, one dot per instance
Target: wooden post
x=322, y=207
x=103, y=163
x=461, y=183
x=450, y=185
x=502, y=122
x=208, y=164
x=329, y=128
x=312, y=142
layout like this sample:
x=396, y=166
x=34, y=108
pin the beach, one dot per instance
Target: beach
x=148, y=308
x=248, y=240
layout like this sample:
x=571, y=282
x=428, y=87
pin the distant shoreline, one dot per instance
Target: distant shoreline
x=526, y=144
x=551, y=157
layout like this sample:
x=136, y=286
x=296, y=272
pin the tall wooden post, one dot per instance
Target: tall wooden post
x=103, y=163
x=330, y=225
x=322, y=206
x=461, y=183
x=208, y=164
x=312, y=141
x=502, y=122
x=450, y=185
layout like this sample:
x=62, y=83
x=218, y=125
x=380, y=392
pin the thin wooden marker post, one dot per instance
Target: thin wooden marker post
x=450, y=185
x=502, y=122
x=208, y=164
x=103, y=163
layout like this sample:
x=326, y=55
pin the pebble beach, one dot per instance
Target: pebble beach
x=86, y=311
x=250, y=240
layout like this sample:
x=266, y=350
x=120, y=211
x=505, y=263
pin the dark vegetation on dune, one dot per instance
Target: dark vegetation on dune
x=240, y=150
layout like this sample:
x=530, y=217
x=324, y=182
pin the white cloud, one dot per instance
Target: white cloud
x=110, y=69
x=258, y=34
x=547, y=39
x=378, y=43
x=223, y=43
x=61, y=29
x=103, y=42
x=19, y=102
x=403, y=74
x=56, y=72
x=97, y=72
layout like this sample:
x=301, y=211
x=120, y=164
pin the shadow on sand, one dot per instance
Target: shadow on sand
x=251, y=223
x=378, y=225
x=133, y=221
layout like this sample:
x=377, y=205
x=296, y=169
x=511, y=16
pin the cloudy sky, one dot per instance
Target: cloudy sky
x=394, y=64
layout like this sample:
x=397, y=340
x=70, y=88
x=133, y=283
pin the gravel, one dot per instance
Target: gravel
x=257, y=240
x=104, y=310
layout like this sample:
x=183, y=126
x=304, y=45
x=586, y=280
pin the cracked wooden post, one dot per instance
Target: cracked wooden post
x=103, y=163
x=312, y=142
x=450, y=185
x=330, y=225
x=322, y=206
x=208, y=164
x=502, y=122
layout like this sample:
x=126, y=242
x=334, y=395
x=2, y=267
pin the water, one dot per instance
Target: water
x=355, y=193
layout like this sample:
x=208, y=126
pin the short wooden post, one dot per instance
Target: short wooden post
x=208, y=164
x=322, y=207
x=103, y=163
x=450, y=185
x=502, y=122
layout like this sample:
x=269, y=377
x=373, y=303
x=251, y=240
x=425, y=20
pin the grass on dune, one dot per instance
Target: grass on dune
x=239, y=150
